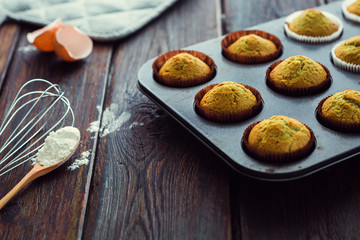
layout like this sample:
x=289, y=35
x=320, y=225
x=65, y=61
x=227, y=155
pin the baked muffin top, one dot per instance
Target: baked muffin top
x=298, y=72
x=228, y=98
x=349, y=51
x=279, y=135
x=343, y=107
x=252, y=45
x=313, y=23
x=355, y=8
x=184, y=67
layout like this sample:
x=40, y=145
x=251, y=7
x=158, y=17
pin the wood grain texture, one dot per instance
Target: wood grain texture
x=53, y=206
x=152, y=179
x=322, y=206
x=9, y=34
x=149, y=178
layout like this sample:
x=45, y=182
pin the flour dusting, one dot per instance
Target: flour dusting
x=134, y=124
x=110, y=122
x=83, y=160
x=25, y=49
x=94, y=126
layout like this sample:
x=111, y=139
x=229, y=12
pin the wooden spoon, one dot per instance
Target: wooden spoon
x=37, y=171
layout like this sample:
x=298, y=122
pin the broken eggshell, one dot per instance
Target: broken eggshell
x=43, y=38
x=71, y=44
x=68, y=42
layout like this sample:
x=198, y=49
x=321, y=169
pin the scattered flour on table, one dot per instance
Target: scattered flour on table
x=110, y=122
x=134, y=124
x=83, y=160
x=94, y=126
x=58, y=145
x=25, y=49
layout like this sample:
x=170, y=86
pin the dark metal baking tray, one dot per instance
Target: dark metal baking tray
x=225, y=139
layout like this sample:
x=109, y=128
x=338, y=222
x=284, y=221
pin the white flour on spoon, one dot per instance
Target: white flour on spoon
x=58, y=145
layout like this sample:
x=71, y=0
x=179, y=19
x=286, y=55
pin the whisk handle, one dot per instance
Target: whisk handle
x=33, y=174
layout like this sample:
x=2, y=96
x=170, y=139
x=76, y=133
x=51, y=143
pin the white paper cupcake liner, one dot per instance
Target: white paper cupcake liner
x=342, y=64
x=308, y=39
x=347, y=14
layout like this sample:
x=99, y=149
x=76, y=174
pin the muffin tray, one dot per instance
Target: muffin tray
x=225, y=138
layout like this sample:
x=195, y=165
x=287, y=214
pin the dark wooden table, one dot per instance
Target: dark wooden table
x=150, y=179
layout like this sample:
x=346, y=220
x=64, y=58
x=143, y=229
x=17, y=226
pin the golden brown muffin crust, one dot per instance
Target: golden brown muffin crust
x=252, y=45
x=343, y=107
x=313, y=23
x=228, y=98
x=184, y=67
x=355, y=8
x=298, y=72
x=279, y=135
x=349, y=51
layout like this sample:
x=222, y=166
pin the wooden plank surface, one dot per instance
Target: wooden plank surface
x=53, y=206
x=152, y=179
x=321, y=206
x=9, y=34
x=148, y=178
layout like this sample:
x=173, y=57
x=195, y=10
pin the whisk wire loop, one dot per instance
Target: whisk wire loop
x=27, y=128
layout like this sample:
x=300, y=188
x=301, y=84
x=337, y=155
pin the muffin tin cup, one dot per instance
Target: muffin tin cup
x=342, y=64
x=159, y=62
x=232, y=37
x=219, y=117
x=309, y=39
x=347, y=14
x=277, y=158
x=297, y=91
x=332, y=124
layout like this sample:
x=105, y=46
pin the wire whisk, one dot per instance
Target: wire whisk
x=31, y=117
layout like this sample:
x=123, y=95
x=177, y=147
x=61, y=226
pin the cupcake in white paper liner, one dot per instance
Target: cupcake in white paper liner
x=313, y=39
x=351, y=67
x=347, y=14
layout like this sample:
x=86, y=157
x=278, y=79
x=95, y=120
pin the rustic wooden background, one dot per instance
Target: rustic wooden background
x=151, y=179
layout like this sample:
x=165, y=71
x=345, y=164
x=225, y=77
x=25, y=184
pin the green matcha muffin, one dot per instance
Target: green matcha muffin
x=346, y=54
x=313, y=26
x=278, y=139
x=351, y=10
x=313, y=23
x=183, y=68
x=341, y=111
x=354, y=8
x=349, y=51
x=228, y=101
x=298, y=75
x=251, y=46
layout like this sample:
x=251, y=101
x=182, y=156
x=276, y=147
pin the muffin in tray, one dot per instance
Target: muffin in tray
x=354, y=8
x=341, y=111
x=351, y=10
x=251, y=47
x=278, y=139
x=228, y=102
x=298, y=76
x=183, y=68
x=346, y=54
x=313, y=26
